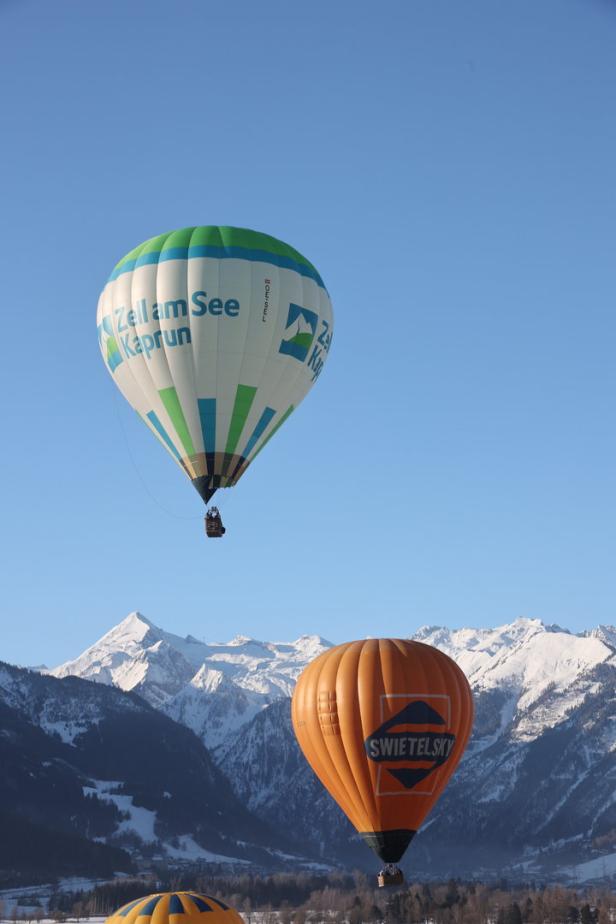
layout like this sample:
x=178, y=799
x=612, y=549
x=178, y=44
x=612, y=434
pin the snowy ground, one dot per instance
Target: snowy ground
x=9, y=898
x=140, y=821
x=600, y=869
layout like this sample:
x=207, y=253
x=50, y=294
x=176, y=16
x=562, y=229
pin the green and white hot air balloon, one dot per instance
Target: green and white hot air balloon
x=214, y=335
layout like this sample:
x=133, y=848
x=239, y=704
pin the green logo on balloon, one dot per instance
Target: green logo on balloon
x=109, y=344
x=299, y=332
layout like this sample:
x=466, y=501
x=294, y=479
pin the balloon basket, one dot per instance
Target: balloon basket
x=213, y=524
x=390, y=876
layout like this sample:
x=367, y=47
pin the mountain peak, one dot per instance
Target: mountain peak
x=135, y=618
x=207, y=679
x=238, y=640
x=605, y=634
x=443, y=635
x=425, y=631
x=313, y=640
x=172, y=672
x=134, y=626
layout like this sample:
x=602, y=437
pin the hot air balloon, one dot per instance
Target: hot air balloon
x=214, y=335
x=383, y=723
x=162, y=906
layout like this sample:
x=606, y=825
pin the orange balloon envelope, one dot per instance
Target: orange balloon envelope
x=383, y=723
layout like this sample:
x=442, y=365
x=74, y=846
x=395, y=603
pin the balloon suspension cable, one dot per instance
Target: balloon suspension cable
x=177, y=516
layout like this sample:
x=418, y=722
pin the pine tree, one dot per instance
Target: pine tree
x=513, y=915
x=587, y=916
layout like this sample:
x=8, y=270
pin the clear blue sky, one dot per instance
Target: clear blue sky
x=450, y=168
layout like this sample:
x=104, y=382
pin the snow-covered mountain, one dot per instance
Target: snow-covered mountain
x=216, y=688
x=535, y=792
x=213, y=688
x=526, y=659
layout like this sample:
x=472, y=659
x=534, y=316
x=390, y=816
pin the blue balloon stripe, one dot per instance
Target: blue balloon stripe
x=175, y=905
x=207, y=415
x=147, y=910
x=201, y=905
x=216, y=901
x=155, y=421
x=219, y=253
x=264, y=420
x=123, y=913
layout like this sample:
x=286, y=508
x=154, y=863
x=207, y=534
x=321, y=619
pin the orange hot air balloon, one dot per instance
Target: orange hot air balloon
x=383, y=723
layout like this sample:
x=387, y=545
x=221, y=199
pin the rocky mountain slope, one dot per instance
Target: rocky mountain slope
x=534, y=794
x=93, y=776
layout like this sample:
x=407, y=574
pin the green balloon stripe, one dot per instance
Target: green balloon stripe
x=244, y=397
x=169, y=397
x=198, y=241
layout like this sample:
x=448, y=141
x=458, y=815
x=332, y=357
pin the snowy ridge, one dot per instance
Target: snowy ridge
x=529, y=660
x=214, y=688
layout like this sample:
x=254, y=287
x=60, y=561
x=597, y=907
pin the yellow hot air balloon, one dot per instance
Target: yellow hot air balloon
x=383, y=723
x=175, y=908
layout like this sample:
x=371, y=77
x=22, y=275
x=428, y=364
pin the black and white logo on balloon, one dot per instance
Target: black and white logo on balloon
x=411, y=743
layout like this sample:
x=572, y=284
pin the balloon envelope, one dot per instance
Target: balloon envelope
x=383, y=724
x=158, y=909
x=214, y=335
